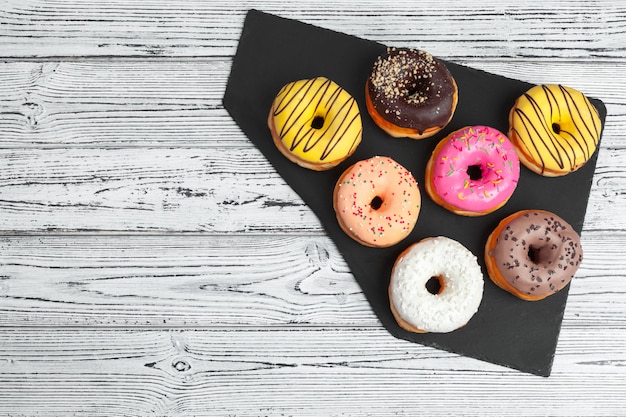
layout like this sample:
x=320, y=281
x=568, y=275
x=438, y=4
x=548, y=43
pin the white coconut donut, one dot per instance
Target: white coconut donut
x=436, y=286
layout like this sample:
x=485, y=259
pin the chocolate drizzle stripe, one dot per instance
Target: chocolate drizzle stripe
x=329, y=105
x=532, y=130
x=560, y=147
x=339, y=134
x=299, y=108
x=326, y=96
x=310, y=131
x=302, y=105
x=286, y=93
x=591, y=110
x=289, y=96
x=583, y=147
x=548, y=92
x=563, y=151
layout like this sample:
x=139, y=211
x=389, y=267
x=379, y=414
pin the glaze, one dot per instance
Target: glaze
x=377, y=201
x=315, y=123
x=473, y=171
x=533, y=254
x=419, y=309
x=410, y=93
x=554, y=128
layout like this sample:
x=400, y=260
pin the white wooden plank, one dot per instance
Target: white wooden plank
x=103, y=103
x=222, y=190
x=138, y=189
x=179, y=280
x=115, y=103
x=248, y=372
x=558, y=29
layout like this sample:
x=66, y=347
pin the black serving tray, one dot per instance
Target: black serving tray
x=273, y=51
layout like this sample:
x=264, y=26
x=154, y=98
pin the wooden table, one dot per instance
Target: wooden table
x=152, y=262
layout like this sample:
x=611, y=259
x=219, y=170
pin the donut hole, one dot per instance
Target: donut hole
x=556, y=128
x=533, y=254
x=376, y=203
x=539, y=254
x=435, y=285
x=475, y=172
x=416, y=95
x=317, y=122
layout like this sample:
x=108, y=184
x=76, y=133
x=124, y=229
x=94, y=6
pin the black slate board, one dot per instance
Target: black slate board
x=273, y=51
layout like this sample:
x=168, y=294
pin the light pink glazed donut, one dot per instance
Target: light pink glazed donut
x=473, y=171
x=377, y=202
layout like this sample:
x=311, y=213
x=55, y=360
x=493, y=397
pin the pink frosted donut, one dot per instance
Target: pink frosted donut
x=377, y=202
x=473, y=171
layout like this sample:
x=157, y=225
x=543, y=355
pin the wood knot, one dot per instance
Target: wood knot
x=181, y=365
x=31, y=110
x=317, y=254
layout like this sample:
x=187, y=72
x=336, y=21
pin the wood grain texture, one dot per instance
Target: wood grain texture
x=260, y=280
x=277, y=372
x=558, y=29
x=219, y=190
x=180, y=280
x=119, y=103
x=142, y=189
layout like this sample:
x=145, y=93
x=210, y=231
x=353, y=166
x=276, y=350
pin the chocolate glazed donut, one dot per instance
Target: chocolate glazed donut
x=410, y=93
x=533, y=254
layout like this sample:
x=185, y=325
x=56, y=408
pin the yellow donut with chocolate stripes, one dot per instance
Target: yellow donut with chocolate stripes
x=315, y=123
x=555, y=129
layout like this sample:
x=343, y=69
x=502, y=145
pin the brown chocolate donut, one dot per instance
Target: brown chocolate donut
x=533, y=254
x=409, y=93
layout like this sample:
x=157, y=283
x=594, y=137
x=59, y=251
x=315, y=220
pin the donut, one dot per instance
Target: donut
x=473, y=171
x=315, y=123
x=436, y=286
x=409, y=93
x=533, y=254
x=555, y=129
x=377, y=202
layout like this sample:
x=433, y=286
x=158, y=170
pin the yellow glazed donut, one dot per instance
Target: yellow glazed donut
x=315, y=123
x=555, y=129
